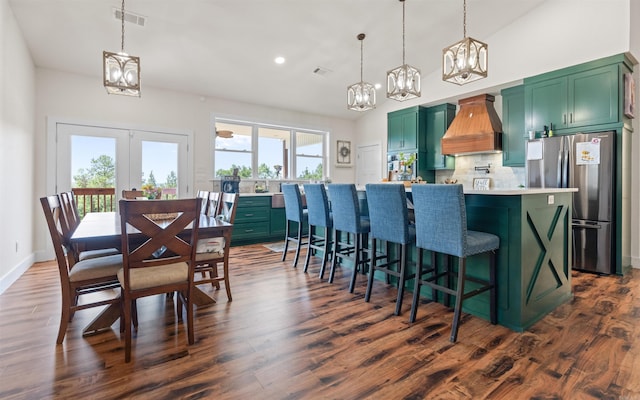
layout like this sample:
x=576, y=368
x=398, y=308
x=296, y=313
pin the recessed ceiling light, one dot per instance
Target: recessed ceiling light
x=377, y=86
x=279, y=60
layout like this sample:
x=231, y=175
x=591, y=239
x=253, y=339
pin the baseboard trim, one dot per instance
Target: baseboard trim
x=16, y=272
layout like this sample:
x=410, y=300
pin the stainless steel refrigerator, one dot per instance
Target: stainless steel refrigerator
x=587, y=162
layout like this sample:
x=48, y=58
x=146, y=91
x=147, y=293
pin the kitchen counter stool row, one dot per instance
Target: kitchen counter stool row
x=349, y=219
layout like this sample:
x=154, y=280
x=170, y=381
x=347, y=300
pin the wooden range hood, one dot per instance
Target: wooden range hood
x=475, y=129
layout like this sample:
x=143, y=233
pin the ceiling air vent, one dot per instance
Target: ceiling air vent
x=321, y=71
x=139, y=20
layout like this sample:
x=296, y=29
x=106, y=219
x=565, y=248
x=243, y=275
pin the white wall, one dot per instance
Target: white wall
x=17, y=85
x=70, y=96
x=555, y=35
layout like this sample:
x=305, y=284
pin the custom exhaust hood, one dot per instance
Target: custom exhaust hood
x=475, y=129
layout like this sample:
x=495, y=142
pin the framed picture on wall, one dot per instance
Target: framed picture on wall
x=629, y=96
x=343, y=152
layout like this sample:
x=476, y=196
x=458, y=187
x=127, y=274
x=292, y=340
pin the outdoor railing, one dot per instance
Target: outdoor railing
x=104, y=199
x=94, y=200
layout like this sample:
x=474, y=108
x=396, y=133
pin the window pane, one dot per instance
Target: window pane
x=309, y=168
x=309, y=144
x=309, y=155
x=233, y=149
x=273, y=148
x=233, y=137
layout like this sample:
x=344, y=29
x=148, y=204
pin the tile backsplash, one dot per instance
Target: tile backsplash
x=501, y=177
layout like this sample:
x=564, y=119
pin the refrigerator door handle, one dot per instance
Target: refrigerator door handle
x=560, y=172
x=586, y=226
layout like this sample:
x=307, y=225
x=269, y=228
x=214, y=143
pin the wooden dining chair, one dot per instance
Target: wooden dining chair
x=70, y=218
x=204, y=195
x=144, y=272
x=132, y=194
x=87, y=276
x=214, y=250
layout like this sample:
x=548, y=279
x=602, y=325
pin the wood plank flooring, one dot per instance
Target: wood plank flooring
x=289, y=335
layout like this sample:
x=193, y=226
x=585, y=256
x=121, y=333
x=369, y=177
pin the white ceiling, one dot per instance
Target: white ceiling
x=226, y=49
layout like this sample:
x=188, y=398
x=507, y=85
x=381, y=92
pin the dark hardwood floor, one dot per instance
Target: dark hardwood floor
x=289, y=335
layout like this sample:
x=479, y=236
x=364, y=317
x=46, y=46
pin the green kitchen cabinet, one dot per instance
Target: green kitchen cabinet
x=252, y=218
x=404, y=130
x=278, y=222
x=514, y=136
x=438, y=119
x=585, y=96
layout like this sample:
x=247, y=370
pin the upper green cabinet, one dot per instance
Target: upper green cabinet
x=585, y=95
x=403, y=130
x=514, y=134
x=438, y=119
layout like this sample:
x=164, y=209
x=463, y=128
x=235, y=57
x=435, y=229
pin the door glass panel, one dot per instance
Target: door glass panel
x=93, y=165
x=159, y=168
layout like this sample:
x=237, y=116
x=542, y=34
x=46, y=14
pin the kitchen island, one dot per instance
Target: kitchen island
x=534, y=259
x=533, y=262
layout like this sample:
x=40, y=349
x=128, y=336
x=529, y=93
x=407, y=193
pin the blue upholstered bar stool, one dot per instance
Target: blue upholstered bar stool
x=389, y=218
x=441, y=226
x=319, y=217
x=347, y=219
x=294, y=212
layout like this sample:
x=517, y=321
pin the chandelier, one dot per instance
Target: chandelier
x=403, y=82
x=361, y=96
x=466, y=60
x=121, y=72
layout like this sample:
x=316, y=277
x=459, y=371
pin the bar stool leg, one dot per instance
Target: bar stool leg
x=286, y=241
x=401, y=279
x=372, y=262
x=493, y=315
x=310, y=242
x=336, y=250
x=416, y=287
x=298, y=245
x=357, y=250
x=459, y=297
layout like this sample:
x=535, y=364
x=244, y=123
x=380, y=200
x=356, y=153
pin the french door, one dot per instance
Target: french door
x=94, y=156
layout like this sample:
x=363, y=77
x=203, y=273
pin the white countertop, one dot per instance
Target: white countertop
x=518, y=192
x=491, y=192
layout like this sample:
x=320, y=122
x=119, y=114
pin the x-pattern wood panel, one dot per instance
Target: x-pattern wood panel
x=548, y=259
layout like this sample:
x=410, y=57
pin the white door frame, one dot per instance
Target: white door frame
x=51, y=162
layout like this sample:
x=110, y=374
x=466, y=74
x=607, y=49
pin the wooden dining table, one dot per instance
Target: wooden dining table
x=102, y=230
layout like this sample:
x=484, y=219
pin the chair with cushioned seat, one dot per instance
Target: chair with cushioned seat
x=214, y=250
x=86, y=277
x=69, y=222
x=144, y=272
x=295, y=213
x=441, y=226
x=347, y=219
x=389, y=218
x=319, y=217
x=204, y=195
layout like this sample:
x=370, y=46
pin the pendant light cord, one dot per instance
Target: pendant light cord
x=361, y=53
x=402, y=32
x=464, y=18
x=122, y=17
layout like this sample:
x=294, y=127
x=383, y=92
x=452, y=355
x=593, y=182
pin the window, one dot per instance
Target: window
x=268, y=152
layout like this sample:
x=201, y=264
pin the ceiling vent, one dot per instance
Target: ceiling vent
x=321, y=71
x=136, y=19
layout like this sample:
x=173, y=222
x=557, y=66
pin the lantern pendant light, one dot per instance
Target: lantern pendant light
x=403, y=82
x=467, y=60
x=121, y=72
x=361, y=96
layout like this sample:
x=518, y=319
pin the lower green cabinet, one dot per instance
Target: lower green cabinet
x=256, y=221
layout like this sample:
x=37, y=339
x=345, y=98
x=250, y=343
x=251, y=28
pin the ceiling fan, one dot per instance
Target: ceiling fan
x=223, y=133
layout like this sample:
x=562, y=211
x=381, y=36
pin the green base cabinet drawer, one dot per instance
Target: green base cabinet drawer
x=245, y=231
